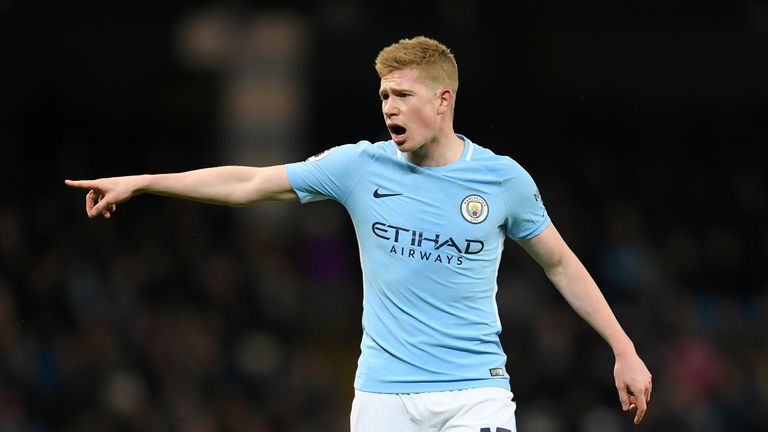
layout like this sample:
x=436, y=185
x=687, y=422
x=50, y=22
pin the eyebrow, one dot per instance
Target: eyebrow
x=391, y=89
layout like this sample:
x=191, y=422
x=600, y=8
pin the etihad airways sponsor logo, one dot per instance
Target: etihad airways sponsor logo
x=434, y=247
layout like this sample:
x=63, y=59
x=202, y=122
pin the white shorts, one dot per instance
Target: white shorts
x=487, y=409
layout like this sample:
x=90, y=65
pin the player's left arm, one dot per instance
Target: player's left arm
x=571, y=278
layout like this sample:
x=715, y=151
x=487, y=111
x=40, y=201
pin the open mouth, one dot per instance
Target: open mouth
x=398, y=133
x=397, y=129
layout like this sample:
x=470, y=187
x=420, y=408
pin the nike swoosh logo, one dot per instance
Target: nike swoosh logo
x=377, y=194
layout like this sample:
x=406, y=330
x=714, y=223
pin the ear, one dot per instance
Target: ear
x=445, y=100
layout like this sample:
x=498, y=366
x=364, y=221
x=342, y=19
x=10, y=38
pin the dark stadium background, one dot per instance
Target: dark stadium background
x=644, y=125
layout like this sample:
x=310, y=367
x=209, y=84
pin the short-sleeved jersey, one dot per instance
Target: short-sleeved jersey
x=430, y=242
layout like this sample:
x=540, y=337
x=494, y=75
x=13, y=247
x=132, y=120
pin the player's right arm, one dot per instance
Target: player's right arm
x=224, y=185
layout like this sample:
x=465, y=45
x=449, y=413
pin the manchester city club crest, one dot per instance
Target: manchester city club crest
x=474, y=208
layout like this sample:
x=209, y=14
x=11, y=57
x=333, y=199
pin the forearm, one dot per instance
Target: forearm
x=567, y=273
x=579, y=289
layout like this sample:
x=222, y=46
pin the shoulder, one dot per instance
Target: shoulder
x=502, y=167
x=361, y=150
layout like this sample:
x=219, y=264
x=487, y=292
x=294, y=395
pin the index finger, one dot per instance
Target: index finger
x=642, y=406
x=81, y=184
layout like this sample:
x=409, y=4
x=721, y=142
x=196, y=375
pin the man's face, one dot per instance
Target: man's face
x=410, y=109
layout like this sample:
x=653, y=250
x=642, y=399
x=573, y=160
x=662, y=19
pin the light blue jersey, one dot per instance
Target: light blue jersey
x=430, y=241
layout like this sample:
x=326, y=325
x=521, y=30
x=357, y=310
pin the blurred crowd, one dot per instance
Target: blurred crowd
x=180, y=316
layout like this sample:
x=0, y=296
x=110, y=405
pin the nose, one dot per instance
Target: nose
x=389, y=107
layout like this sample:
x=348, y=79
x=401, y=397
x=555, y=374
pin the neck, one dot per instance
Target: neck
x=438, y=152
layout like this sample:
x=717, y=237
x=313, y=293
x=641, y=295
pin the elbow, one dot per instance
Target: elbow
x=250, y=190
x=556, y=266
x=262, y=184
